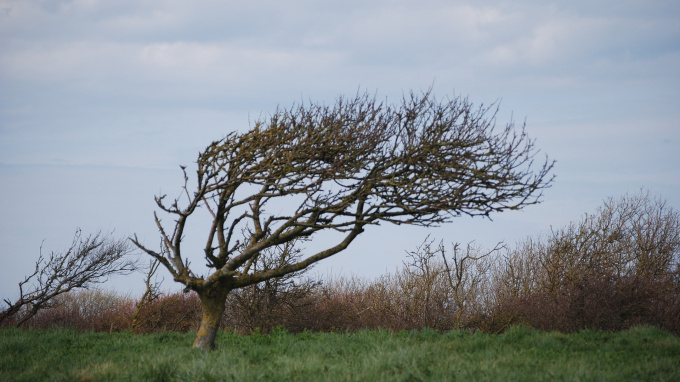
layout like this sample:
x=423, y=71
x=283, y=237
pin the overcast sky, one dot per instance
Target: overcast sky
x=101, y=101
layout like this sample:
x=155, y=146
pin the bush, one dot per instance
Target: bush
x=613, y=270
x=431, y=290
x=178, y=312
x=270, y=304
x=88, y=310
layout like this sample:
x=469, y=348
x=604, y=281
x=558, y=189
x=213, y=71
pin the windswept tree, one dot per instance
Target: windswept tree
x=89, y=260
x=314, y=168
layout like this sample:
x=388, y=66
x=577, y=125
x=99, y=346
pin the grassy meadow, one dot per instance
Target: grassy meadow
x=520, y=354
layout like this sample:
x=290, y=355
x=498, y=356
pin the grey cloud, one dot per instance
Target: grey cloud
x=146, y=84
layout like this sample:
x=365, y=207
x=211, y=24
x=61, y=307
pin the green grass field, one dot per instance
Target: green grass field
x=520, y=354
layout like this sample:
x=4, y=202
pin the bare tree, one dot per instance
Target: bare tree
x=467, y=276
x=89, y=260
x=151, y=294
x=339, y=168
x=444, y=291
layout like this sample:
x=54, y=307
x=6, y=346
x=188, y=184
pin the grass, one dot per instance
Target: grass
x=520, y=354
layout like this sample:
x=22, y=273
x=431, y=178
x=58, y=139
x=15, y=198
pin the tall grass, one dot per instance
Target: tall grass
x=520, y=353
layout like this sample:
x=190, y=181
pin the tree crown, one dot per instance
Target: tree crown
x=313, y=167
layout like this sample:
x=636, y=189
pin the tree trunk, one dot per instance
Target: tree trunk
x=212, y=304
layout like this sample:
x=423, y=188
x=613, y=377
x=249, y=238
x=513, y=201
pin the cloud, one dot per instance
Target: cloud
x=146, y=84
x=114, y=57
x=227, y=39
x=229, y=62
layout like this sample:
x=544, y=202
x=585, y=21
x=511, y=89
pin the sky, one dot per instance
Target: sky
x=101, y=101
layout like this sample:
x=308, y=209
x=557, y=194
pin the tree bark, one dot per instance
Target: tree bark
x=213, y=304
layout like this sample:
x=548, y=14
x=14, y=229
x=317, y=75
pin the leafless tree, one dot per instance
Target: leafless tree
x=467, y=276
x=340, y=168
x=444, y=290
x=151, y=293
x=89, y=260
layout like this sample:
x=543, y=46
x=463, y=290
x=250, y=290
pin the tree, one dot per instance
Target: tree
x=340, y=168
x=151, y=294
x=89, y=260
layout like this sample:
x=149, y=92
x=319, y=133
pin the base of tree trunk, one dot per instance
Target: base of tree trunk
x=213, y=308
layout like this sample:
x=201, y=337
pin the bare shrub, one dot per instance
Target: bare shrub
x=439, y=290
x=420, y=292
x=87, y=310
x=274, y=302
x=340, y=304
x=432, y=290
x=355, y=304
x=179, y=312
x=612, y=270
